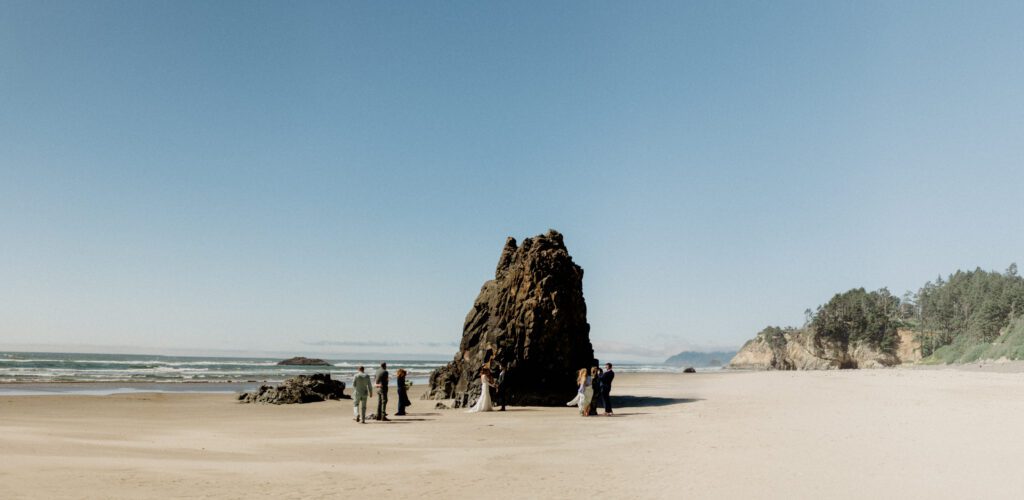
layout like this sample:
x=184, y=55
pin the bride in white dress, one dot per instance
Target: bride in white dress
x=483, y=403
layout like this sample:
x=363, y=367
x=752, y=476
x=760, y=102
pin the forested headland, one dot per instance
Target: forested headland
x=964, y=317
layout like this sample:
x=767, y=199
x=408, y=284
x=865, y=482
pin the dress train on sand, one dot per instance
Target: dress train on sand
x=483, y=403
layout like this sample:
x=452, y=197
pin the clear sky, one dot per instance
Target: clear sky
x=339, y=177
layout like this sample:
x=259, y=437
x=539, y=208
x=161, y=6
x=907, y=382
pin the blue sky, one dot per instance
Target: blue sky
x=339, y=178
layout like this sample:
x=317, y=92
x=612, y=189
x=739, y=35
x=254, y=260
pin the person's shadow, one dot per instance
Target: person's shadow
x=628, y=401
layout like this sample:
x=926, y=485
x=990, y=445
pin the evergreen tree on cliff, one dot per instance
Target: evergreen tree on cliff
x=532, y=319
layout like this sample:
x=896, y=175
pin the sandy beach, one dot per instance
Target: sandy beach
x=851, y=434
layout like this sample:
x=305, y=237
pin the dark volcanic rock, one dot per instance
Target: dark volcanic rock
x=689, y=370
x=299, y=389
x=301, y=361
x=532, y=318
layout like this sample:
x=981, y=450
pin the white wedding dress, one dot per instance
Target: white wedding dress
x=483, y=403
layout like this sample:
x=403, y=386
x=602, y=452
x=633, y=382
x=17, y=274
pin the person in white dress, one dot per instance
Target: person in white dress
x=484, y=402
x=585, y=391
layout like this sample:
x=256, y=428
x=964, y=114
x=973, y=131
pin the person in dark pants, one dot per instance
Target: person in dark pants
x=598, y=391
x=403, y=396
x=382, y=392
x=502, y=396
x=606, y=387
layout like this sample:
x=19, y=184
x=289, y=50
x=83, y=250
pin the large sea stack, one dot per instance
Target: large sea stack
x=530, y=318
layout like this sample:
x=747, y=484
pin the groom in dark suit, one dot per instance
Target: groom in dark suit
x=382, y=392
x=502, y=391
x=606, y=387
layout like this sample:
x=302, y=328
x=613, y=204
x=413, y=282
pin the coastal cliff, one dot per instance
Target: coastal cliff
x=796, y=349
x=966, y=317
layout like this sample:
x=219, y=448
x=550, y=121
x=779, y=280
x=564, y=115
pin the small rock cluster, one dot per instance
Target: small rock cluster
x=299, y=389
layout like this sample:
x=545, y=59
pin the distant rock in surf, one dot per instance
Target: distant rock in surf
x=532, y=318
x=299, y=389
x=303, y=361
x=701, y=359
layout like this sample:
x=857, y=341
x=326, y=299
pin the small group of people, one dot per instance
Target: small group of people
x=362, y=390
x=594, y=390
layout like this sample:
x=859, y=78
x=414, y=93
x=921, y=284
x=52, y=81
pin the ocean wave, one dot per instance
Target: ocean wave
x=133, y=368
x=52, y=369
x=137, y=362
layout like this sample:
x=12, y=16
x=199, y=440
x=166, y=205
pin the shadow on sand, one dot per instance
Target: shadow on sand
x=647, y=401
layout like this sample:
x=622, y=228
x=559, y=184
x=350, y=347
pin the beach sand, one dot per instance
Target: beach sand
x=852, y=434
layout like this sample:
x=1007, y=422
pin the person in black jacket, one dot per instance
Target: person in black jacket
x=598, y=386
x=403, y=396
x=606, y=387
x=382, y=392
x=501, y=395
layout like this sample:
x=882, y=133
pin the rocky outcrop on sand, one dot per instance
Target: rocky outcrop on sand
x=795, y=349
x=299, y=389
x=532, y=318
x=303, y=361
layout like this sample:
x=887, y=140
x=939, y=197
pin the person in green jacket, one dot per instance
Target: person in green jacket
x=361, y=390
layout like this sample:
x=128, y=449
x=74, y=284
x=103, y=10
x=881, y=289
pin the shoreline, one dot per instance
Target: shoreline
x=27, y=389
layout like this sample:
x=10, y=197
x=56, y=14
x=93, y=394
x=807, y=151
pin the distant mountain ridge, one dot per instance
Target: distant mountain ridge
x=701, y=359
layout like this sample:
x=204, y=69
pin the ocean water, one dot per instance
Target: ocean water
x=39, y=367
x=47, y=368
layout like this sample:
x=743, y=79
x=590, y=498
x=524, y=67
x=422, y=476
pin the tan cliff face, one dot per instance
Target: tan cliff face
x=756, y=354
x=909, y=350
x=792, y=352
x=795, y=352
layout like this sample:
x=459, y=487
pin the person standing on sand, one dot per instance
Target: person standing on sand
x=606, y=387
x=588, y=391
x=502, y=388
x=403, y=396
x=598, y=402
x=483, y=403
x=361, y=390
x=584, y=392
x=382, y=392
